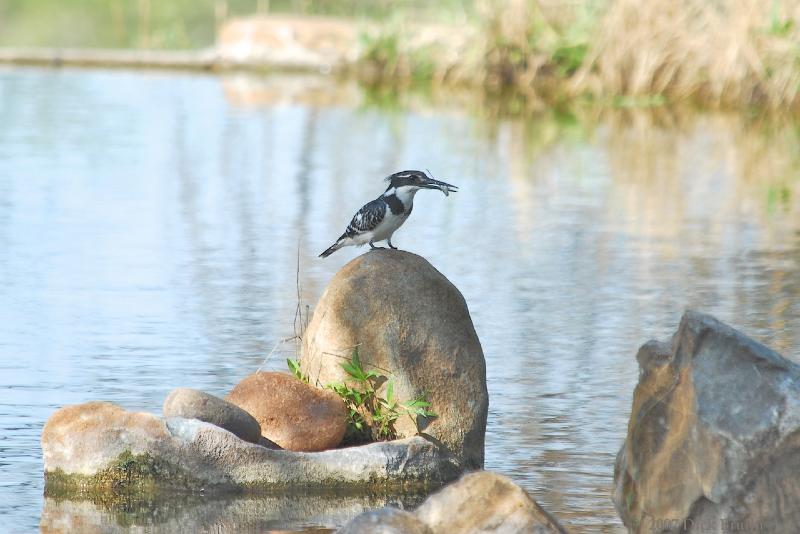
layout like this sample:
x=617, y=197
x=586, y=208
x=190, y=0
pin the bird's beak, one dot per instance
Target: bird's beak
x=441, y=186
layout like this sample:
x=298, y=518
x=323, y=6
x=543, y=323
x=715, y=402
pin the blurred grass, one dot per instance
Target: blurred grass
x=176, y=24
x=621, y=53
x=629, y=53
x=112, y=23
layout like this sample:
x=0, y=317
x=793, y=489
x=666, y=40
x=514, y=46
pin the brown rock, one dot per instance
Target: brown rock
x=196, y=404
x=413, y=325
x=294, y=415
x=84, y=438
x=713, y=441
x=485, y=502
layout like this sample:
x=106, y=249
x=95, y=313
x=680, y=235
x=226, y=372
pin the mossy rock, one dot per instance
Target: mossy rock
x=98, y=450
x=139, y=474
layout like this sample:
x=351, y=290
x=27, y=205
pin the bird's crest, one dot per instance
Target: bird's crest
x=404, y=174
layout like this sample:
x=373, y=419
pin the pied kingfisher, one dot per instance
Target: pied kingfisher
x=377, y=220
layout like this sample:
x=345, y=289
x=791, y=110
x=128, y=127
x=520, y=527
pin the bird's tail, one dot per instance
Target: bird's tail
x=333, y=248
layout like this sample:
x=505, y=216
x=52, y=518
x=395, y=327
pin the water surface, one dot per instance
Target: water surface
x=150, y=225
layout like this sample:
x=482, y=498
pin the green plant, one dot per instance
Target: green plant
x=370, y=415
x=779, y=26
x=294, y=368
x=570, y=57
x=382, y=50
x=388, y=410
x=356, y=398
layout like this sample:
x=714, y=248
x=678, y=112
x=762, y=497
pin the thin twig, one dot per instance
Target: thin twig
x=348, y=358
x=298, y=310
x=274, y=348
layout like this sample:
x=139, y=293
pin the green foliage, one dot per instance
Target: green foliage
x=778, y=26
x=294, y=368
x=177, y=23
x=382, y=51
x=355, y=370
x=422, y=65
x=569, y=57
x=643, y=101
x=173, y=24
x=778, y=197
x=370, y=415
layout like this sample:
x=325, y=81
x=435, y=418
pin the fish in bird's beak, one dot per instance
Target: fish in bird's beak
x=441, y=186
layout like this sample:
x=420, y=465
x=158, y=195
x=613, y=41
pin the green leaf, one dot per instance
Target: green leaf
x=361, y=398
x=349, y=369
x=294, y=368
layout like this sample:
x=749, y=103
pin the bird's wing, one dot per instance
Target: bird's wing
x=367, y=218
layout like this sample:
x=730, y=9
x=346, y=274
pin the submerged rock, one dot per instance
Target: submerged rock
x=411, y=324
x=291, y=413
x=485, y=502
x=713, y=440
x=196, y=404
x=478, y=503
x=385, y=521
x=97, y=447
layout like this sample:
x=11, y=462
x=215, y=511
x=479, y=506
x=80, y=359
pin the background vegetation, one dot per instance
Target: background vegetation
x=626, y=52
x=177, y=23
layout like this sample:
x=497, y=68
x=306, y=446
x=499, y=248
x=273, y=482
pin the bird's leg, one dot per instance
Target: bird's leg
x=389, y=242
x=372, y=246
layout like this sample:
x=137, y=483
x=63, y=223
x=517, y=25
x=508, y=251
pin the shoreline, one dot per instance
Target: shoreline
x=514, y=53
x=118, y=58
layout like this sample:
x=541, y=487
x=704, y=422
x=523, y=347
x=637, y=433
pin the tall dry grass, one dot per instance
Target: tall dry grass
x=717, y=52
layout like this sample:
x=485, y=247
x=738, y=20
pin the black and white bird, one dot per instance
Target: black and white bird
x=378, y=220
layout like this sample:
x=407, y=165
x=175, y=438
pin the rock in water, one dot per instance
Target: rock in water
x=385, y=521
x=196, y=404
x=291, y=413
x=85, y=438
x=99, y=449
x=713, y=440
x=413, y=325
x=485, y=502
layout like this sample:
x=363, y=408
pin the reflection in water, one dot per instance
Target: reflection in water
x=150, y=225
x=188, y=513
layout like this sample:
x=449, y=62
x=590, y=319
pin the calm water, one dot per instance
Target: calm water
x=150, y=225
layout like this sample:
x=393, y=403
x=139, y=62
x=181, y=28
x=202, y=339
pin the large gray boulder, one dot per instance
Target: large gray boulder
x=98, y=447
x=412, y=325
x=478, y=503
x=195, y=404
x=713, y=440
